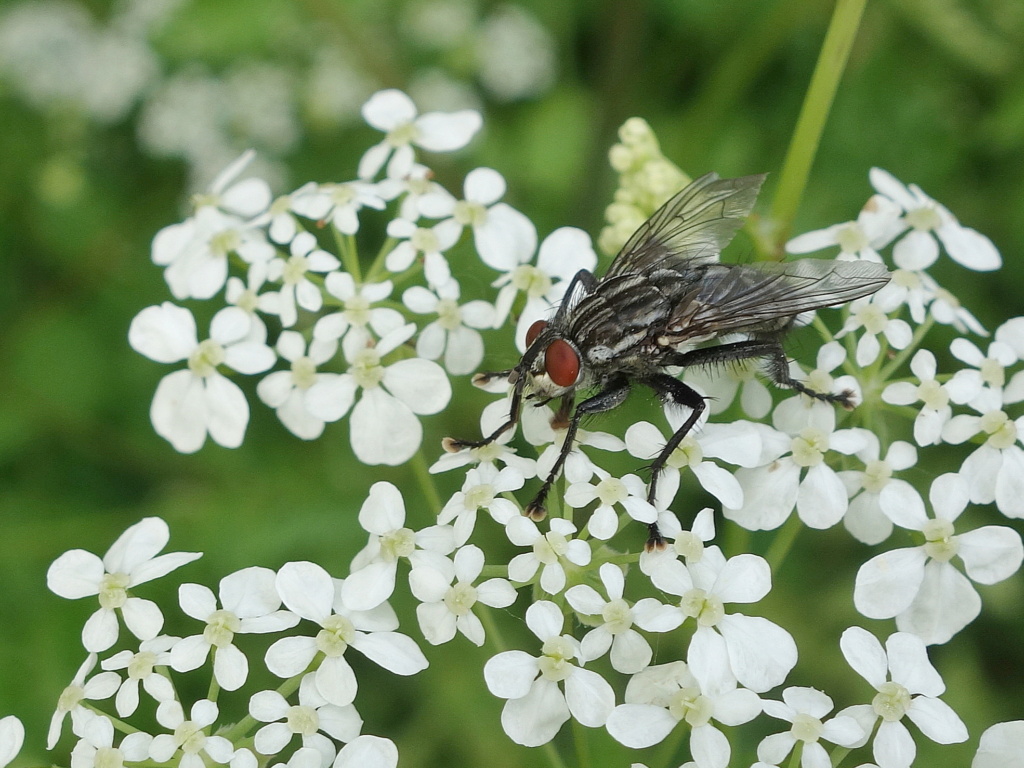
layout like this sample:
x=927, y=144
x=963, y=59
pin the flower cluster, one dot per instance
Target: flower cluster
x=647, y=645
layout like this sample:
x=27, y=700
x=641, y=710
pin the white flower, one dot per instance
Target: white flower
x=987, y=370
x=446, y=607
x=309, y=591
x=760, y=653
x=368, y=752
x=311, y=715
x=96, y=747
x=562, y=254
x=192, y=403
x=919, y=585
x=195, y=252
x=662, y=696
x=12, y=737
x=804, y=709
x=297, y=290
x=246, y=296
x=250, y=604
x=935, y=397
x=687, y=544
x=995, y=470
x=909, y=689
x=923, y=216
x=629, y=492
x=493, y=415
x=357, y=314
x=630, y=652
x=453, y=334
x=393, y=112
x=877, y=224
x=141, y=667
x=285, y=391
x=548, y=550
x=431, y=242
x=497, y=227
x=383, y=427
x=338, y=203
x=865, y=518
x=189, y=736
x=870, y=314
x=131, y=560
x=372, y=577
x=946, y=309
x=536, y=707
x=96, y=688
x=481, y=490
x=1001, y=746
x=792, y=470
x=737, y=443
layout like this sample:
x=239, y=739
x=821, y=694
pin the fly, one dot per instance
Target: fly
x=663, y=296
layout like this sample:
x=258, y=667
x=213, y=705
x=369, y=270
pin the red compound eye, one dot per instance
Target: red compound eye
x=562, y=363
x=535, y=330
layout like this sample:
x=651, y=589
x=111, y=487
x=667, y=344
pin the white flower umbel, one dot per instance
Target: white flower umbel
x=131, y=560
x=1001, y=746
x=760, y=653
x=804, y=709
x=934, y=397
x=82, y=688
x=371, y=579
x=927, y=220
x=297, y=290
x=871, y=316
x=306, y=719
x=96, y=747
x=338, y=203
x=700, y=694
x=446, y=607
x=454, y=333
x=735, y=443
x=907, y=685
x=482, y=489
x=189, y=736
x=394, y=113
x=562, y=254
x=792, y=470
x=383, y=427
x=199, y=400
x=877, y=224
x=195, y=252
x=142, y=667
x=615, y=617
x=249, y=604
x=310, y=592
x=552, y=552
x=427, y=243
x=536, y=707
x=995, y=469
x=628, y=492
x=285, y=391
x=865, y=518
x=919, y=585
x=12, y=737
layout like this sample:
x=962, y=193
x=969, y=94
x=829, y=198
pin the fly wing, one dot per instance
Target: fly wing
x=735, y=297
x=696, y=224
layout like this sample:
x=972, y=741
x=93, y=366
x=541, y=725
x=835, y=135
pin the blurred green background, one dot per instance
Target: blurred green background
x=112, y=113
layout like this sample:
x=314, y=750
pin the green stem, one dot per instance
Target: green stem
x=426, y=482
x=835, y=52
x=784, y=541
x=919, y=333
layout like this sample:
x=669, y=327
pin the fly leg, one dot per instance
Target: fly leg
x=612, y=396
x=671, y=389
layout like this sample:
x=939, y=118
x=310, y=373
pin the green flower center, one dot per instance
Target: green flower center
x=207, y=356
x=851, y=238
x=402, y=135
x=891, y=702
x=872, y=318
x=357, y=310
x=940, y=544
x=141, y=665
x=225, y=242
x=925, y=218
x=425, y=240
x=618, y=616
x=687, y=545
x=993, y=373
x=295, y=270
x=806, y=728
x=549, y=547
x=113, y=590
x=470, y=214
x=554, y=664
x=108, y=757
x=531, y=280
x=303, y=372
x=809, y=447
x=876, y=476
x=448, y=314
x=397, y=543
x=479, y=496
x=336, y=636
x=1001, y=430
x=190, y=736
x=460, y=598
x=707, y=609
x=303, y=720
x=366, y=369
x=933, y=395
x=221, y=627
x=691, y=705
x=687, y=454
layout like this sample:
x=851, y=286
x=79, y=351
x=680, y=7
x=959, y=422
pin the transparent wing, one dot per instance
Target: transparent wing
x=695, y=224
x=737, y=297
